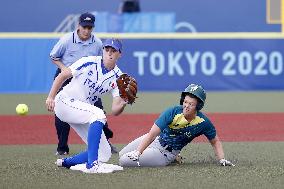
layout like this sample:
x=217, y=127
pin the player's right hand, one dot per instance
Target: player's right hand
x=50, y=104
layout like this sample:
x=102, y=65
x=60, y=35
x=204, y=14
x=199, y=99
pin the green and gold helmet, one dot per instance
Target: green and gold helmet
x=197, y=91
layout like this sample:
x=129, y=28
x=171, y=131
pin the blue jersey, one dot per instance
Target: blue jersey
x=177, y=132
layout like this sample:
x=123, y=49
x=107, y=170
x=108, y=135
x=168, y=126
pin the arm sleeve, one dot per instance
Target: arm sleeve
x=210, y=131
x=58, y=50
x=165, y=119
x=115, y=91
x=84, y=64
x=77, y=67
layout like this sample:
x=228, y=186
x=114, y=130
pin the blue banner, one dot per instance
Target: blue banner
x=158, y=64
x=26, y=66
x=217, y=64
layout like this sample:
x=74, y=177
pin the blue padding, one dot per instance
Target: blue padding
x=158, y=64
x=25, y=65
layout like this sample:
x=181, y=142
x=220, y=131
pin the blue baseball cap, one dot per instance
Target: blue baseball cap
x=115, y=43
x=87, y=19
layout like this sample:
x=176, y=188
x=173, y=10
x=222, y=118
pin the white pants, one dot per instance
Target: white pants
x=154, y=155
x=79, y=115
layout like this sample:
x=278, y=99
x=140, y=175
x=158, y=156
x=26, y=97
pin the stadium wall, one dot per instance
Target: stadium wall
x=203, y=15
x=159, y=62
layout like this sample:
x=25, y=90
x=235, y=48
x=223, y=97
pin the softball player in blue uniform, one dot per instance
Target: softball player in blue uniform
x=173, y=130
x=92, y=77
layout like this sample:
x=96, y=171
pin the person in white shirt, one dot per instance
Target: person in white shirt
x=93, y=76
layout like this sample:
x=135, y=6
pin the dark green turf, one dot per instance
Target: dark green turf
x=157, y=102
x=258, y=165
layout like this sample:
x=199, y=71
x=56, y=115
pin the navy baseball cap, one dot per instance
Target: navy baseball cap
x=87, y=19
x=115, y=43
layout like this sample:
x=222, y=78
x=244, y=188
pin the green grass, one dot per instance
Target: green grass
x=258, y=165
x=157, y=102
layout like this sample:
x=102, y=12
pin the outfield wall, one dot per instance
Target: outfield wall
x=160, y=62
x=203, y=15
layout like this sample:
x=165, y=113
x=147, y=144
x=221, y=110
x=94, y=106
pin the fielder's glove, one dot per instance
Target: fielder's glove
x=224, y=162
x=127, y=87
x=133, y=155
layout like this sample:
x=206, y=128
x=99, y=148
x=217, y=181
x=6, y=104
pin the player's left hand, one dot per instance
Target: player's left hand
x=133, y=155
x=224, y=162
x=179, y=159
x=127, y=87
x=50, y=104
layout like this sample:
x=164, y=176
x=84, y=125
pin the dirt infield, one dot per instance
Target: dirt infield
x=231, y=127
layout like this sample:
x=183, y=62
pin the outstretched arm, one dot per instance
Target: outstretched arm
x=57, y=83
x=219, y=152
x=218, y=148
x=150, y=137
x=147, y=140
